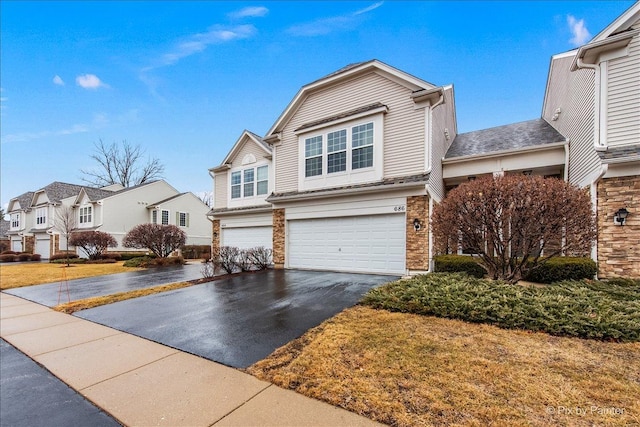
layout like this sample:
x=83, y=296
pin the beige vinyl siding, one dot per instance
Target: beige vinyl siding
x=220, y=191
x=443, y=118
x=573, y=93
x=403, y=125
x=623, y=90
x=248, y=147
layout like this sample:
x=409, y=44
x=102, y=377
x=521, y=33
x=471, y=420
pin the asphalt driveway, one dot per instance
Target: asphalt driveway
x=49, y=293
x=239, y=320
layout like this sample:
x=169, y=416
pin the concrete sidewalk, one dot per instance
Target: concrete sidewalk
x=142, y=383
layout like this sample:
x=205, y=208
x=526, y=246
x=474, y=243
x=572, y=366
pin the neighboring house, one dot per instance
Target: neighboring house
x=357, y=168
x=115, y=210
x=360, y=156
x=241, y=215
x=5, y=242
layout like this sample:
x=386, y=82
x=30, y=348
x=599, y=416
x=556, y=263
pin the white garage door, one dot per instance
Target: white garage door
x=16, y=245
x=367, y=244
x=247, y=237
x=42, y=248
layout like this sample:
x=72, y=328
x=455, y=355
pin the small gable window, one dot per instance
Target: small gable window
x=250, y=182
x=41, y=216
x=85, y=215
x=15, y=220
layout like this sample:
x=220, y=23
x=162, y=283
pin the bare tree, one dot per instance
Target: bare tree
x=122, y=164
x=206, y=197
x=65, y=222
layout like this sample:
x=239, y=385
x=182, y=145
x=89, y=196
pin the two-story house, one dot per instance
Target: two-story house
x=35, y=223
x=356, y=160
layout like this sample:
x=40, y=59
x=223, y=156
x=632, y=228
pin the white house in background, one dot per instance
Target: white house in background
x=114, y=210
x=241, y=215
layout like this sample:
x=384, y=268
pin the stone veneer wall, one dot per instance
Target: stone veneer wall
x=619, y=246
x=215, y=241
x=29, y=244
x=278, y=238
x=417, y=241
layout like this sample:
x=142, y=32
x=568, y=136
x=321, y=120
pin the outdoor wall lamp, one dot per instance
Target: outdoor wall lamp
x=620, y=216
x=417, y=224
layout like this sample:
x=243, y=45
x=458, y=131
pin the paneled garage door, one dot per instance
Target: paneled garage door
x=367, y=244
x=42, y=248
x=247, y=237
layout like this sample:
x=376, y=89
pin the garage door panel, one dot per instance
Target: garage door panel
x=372, y=244
x=247, y=237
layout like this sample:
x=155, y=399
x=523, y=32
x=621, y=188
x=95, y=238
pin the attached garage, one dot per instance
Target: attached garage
x=367, y=244
x=247, y=237
x=43, y=247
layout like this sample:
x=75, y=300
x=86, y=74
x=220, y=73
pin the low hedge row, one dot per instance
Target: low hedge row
x=148, y=261
x=19, y=257
x=553, y=270
x=586, y=309
x=196, y=251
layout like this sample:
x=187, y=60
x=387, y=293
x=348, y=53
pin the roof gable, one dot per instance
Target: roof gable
x=621, y=23
x=350, y=71
x=246, y=137
x=22, y=202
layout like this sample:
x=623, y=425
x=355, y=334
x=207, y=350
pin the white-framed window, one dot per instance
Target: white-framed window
x=341, y=150
x=154, y=216
x=165, y=217
x=250, y=182
x=15, y=220
x=86, y=215
x=41, y=216
x=182, y=219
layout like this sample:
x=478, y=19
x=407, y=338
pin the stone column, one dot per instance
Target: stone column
x=417, y=241
x=278, y=238
x=215, y=242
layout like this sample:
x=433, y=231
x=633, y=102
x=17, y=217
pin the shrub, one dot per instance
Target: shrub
x=508, y=221
x=4, y=245
x=9, y=253
x=94, y=243
x=209, y=268
x=162, y=240
x=261, y=257
x=243, y=260
x=8, y=258
x=111, y=255
x=147, y=261
x=69, y=261
x=102, y=261
x=459, y=264
x=227, y=258
x=141, y=261
x=63, y=255
x=36, y=257
x=130, y=255
x=585, y=309
x=196, y=251
x=24, y=256
x=563, y=268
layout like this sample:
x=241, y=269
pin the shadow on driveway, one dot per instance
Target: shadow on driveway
x=239, y=320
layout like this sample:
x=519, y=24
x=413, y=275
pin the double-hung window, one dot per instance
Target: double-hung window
x=85, y=215
x=165, y=217
x=337, y=151
x=183, y=219
x=362, y=146
x=154, y=216
x=15, y=220
x=250, y=182
x=41, y=216
x=313, y=156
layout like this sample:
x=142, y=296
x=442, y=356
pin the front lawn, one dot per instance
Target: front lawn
x=15, y=276
x=408, y=369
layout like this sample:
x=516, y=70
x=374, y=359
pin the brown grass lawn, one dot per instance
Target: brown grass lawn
x=411, y=370
x=15, y=276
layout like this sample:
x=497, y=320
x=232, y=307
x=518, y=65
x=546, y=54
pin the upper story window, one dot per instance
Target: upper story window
x=85, y=215
x=342, y=150
x=41, y=216
x=250, y=182
x=15, y=220
x=165, y=217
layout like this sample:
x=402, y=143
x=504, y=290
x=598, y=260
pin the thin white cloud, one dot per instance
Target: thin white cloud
x=579, y=31
x=89, y=81
x=57, y=80
x=331, y=24
x=249, y=12
x=199, y=42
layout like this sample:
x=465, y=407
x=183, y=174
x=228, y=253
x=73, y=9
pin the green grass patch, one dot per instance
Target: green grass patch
x=585, y=309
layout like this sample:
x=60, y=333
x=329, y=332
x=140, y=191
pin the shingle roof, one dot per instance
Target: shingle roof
x=165, y=200
x=25, y=199
x=57, y=191
x=95, y=194
x=510, y=137
x=613, y=154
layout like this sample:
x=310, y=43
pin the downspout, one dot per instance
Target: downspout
x=594, y=203
x=566, y=160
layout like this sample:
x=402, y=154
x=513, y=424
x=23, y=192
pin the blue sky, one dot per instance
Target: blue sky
x=184, y=79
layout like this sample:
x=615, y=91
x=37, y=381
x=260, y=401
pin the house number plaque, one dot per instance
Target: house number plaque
x=399, y=208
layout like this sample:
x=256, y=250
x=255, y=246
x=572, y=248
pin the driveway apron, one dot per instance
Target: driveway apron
x=239, y=320
x=49, y=294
